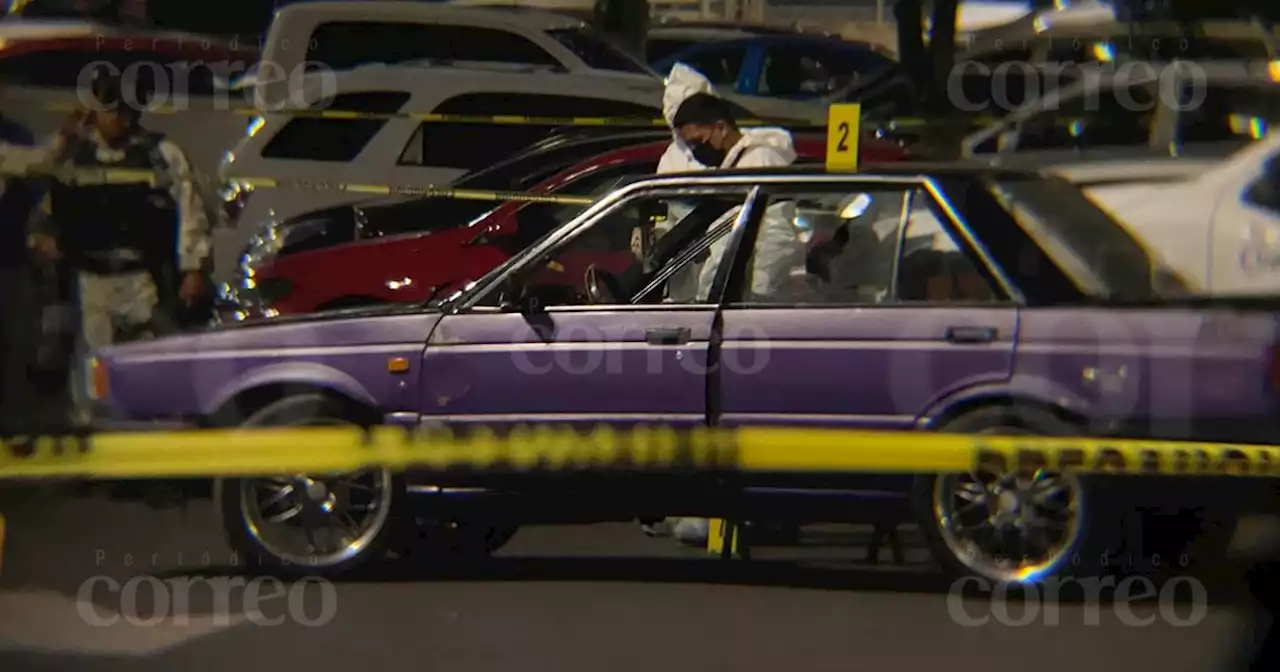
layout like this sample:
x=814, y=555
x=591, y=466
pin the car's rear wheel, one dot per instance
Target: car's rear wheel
x=1014, y=527
x=319, y=524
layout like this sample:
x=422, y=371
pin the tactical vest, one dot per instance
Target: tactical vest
x=117, y=228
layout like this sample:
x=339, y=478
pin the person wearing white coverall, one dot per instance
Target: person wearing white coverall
x=707, y=137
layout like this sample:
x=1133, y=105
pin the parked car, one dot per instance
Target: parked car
x=395, y=147
x=1002, y=69
x=1220, y=227
x=416, y=250
x=792, y=66
x=663, y=42
x=668, y=37
x=950, y=298
x=1189, y=177
x=344, y=35
x=42, y=62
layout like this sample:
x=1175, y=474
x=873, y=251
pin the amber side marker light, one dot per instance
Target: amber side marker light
x=99, y=381
x=397, y=365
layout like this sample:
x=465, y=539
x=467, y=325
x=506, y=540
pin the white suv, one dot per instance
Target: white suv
x=401, y=149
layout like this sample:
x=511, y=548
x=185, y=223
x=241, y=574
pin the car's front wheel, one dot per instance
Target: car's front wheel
x=318, y=524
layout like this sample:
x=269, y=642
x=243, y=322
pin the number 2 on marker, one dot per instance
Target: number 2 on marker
x=842, y=136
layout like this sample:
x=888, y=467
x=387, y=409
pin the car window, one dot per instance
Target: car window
x=337, y=140
x=622, y=249
x=1218, y=113
x=539, y=219
x=849, y=247
x=478, y=146
x=1163, y=47
x=813, y=70
x=720, y=66
x=1110, y=116
x=1083, y=239
x=659, y=49
x=62, y=67
x=1264, y=191
x=597, y=52
x=345, y=45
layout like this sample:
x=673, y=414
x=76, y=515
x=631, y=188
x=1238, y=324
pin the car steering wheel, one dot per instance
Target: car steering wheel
x=602, y=287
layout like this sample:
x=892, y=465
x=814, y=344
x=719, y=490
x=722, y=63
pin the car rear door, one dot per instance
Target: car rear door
x=887, y=309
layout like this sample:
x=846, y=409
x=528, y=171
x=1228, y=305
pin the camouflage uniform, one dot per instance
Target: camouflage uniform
x=128, y=244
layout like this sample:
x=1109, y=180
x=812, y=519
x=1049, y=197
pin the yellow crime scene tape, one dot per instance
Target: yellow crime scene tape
x=275, y=451
x=83, y=176
x=283, y=451
x=843, y=128
x=524, y=120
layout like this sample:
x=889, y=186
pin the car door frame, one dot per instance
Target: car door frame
x=609, y=204
x=733, y=283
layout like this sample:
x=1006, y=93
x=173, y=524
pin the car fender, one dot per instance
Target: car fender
x=308, y=374
x=1033, y=389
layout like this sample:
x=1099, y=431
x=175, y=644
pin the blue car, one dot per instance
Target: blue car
x=780, y=66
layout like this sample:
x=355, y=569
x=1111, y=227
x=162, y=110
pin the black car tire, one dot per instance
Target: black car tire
x=303, y=409
x=1099, y=534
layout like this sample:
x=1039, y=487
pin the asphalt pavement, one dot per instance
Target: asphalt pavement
x=602, y=597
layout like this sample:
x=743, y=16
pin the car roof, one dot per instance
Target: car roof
x=697, y=33
x=1040, y=29
x=969, y=169
x=774, y=40
x=382, y=10
x=19, y=29
x=411, y=78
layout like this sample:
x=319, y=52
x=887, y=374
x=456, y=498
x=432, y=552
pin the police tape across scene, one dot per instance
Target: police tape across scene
x=524, y=120
x=272, y=451
x=77, y=176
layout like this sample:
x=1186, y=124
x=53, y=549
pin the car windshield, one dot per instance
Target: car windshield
x=596, y=52
x=1096, y=250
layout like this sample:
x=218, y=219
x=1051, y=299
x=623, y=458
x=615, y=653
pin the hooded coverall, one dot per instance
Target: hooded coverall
x=778, y=247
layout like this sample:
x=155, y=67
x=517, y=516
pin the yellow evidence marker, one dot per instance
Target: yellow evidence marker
x=843, y=127
x=717, y=530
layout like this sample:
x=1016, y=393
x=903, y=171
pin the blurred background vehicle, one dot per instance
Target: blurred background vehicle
x=415, y=250
x=397, y=148
x=789, y=66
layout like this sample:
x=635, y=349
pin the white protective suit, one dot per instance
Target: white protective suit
x=778, y=246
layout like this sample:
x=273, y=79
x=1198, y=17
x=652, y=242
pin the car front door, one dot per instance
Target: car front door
x=881, y=310
x=535, y=345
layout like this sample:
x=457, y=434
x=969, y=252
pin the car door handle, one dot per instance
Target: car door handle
x=668, y=336
x=971, y=334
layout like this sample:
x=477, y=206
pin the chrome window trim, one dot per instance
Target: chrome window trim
x=1011, y=291
x=601, y=208
x=695, y=184
x=908, y=202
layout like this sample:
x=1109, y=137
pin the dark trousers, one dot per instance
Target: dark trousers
x=19, y=334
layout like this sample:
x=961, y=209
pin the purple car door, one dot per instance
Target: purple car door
x=561, y=335
x=882, y=310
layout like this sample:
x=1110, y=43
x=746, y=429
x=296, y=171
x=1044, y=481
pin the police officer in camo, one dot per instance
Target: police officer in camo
x=138, y=252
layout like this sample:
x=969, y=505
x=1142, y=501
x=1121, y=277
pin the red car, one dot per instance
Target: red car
x=413, y=251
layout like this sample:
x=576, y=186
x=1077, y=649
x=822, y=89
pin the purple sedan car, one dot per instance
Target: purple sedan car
x=908, y=298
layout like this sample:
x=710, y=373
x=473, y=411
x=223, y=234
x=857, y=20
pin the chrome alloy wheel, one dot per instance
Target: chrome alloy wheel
x=316, y=521
x=1014, y=527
